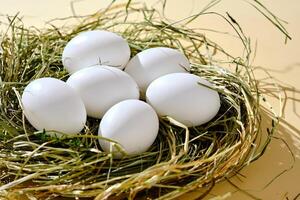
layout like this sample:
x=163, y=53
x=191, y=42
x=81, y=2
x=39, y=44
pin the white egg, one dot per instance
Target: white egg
x=152, y=63
x=51, y=104
x=132, y=123
x=182, y=97
x=100, y=87
x=95, y=47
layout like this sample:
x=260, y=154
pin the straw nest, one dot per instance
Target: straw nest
x=181, y=160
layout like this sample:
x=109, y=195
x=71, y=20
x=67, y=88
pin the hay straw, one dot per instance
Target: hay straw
x=181, y=160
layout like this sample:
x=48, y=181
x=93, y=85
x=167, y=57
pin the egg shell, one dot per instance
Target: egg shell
x=182, y=97
x=51, y=104
x=132, y=123
x=152, y=63
x=100, y=87
x=95, y=47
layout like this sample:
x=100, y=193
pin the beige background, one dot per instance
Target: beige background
x=282, y=60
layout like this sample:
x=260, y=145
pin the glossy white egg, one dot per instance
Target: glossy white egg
x=182, y=97
x=51, y=104
x=101, y=87
x=132, y=123
x=152, y=63
x=95, y=47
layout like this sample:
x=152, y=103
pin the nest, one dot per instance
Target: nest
x=181, y=160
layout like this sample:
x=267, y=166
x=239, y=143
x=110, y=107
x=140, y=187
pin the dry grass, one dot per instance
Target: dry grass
x=180, y=160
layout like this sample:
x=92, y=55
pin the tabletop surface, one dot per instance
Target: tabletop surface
x=282, y=60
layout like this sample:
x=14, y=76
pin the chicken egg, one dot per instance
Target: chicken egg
x=95, y=47
x=133, y=124
x=100, y=87
x=184, y=97
x=152, y=63
x=52, y=105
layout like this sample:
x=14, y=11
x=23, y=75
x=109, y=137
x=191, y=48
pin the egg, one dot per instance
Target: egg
x=51, y=104
x=100, y=87
x=184, y=97
x=95, y=47
x=131, y=123
x=152, y=63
